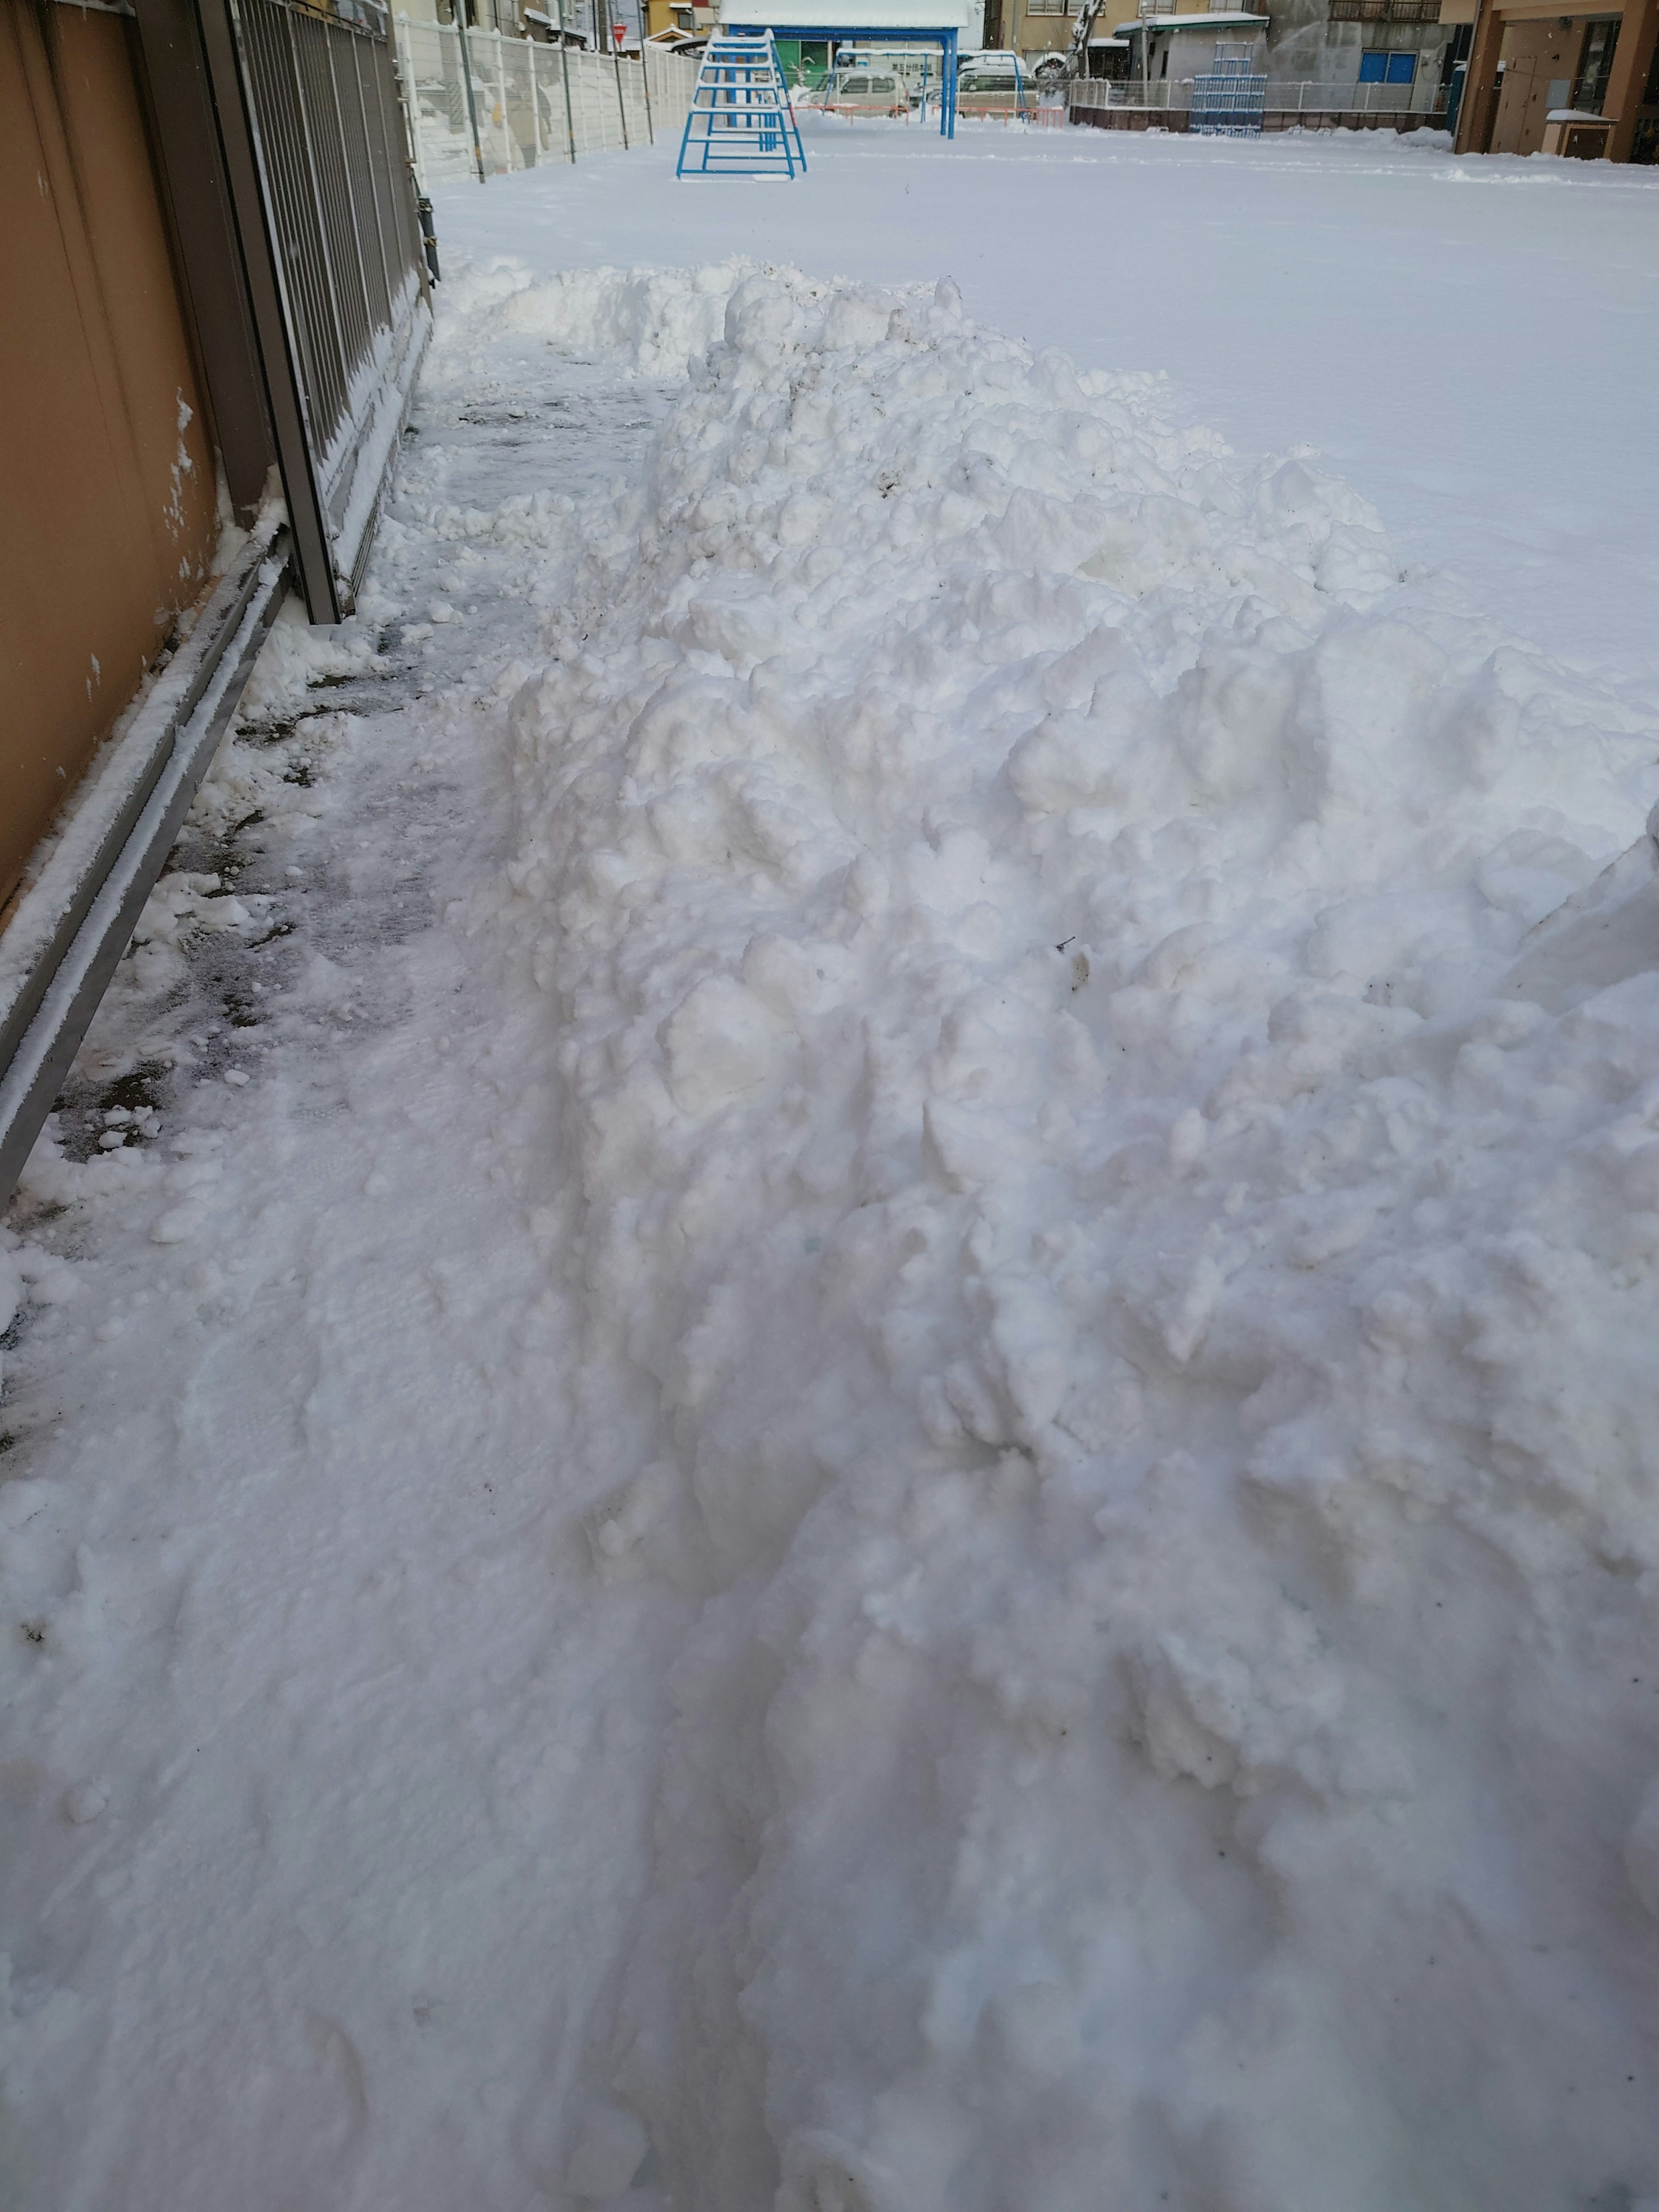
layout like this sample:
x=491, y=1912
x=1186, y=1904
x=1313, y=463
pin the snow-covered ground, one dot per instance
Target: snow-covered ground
x=1467, y=342
x=833, y=1386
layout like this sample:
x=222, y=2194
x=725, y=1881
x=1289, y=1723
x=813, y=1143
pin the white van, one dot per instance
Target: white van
x=864, y=92
x=916, y=67
x=993, y=84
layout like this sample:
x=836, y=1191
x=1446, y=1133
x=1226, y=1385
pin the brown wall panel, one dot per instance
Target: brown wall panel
x=107, y=490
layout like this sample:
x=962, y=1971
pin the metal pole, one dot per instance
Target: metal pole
x=466, y=79
x=535, y=102
x=410, y=103
x=616, y=62
x=500, y=94
x=564, y=79
x=230, y=80
x=1459, y=133
x=645, y=74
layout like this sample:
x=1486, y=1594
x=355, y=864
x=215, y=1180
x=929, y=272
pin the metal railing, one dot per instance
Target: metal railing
x=329, y=141
x=530, y=102
x=1316, y=100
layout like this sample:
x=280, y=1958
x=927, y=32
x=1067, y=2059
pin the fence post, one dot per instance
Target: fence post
x=564, y=79
x=535, y=102
x=602, y=14
x=500, y=94
x=622, y=103
x=405, y=53
x=466, y=79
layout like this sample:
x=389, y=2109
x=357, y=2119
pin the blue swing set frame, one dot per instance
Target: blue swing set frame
x=741, y=122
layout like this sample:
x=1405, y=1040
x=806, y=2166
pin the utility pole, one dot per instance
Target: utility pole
x=1077, y=53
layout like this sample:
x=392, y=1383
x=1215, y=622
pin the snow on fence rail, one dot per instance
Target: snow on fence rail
x=532, y=102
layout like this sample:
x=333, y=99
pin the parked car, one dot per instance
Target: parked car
x=864, y=92
x=992, y=85
x=916, y=67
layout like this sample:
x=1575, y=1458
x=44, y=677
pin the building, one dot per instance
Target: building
x=1540, y=81
x=1410, y=48
x=589, y=23
x=807, y=29
x=1355, y=63
x=1037, y=30
x=1166, y=47
x=1507, y=76
x=1030, y=28
x=690, y=18
x=191, y=324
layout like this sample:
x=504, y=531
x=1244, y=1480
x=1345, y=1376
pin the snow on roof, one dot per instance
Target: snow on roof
x=1576, y=115
x=868, y=18
x=1222, y=19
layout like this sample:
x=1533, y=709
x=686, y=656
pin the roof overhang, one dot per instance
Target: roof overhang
x=1221, y=20
x=837, y=19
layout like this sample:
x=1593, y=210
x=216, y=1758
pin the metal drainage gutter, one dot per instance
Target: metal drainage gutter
x=69, y=927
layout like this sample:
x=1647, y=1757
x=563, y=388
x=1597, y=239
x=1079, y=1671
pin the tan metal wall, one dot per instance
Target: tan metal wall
x=1485, y=127
x=106, y=485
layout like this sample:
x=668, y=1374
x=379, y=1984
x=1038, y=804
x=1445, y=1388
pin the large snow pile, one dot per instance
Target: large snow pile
x=1106, y=1279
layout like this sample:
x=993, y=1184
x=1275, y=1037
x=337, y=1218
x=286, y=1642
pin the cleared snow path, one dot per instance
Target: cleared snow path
x=324, y=1782
x=899, y=1456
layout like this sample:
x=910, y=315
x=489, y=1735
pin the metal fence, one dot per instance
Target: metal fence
x=328, y=137
x=259, y=147
x=529, y=102
x=1170, y=103
x=1229, y=97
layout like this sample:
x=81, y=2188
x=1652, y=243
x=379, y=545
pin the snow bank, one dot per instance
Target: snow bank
x=1135, y=1325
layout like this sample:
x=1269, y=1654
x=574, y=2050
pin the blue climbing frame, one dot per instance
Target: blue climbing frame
x=740, y=123
x=946, y=37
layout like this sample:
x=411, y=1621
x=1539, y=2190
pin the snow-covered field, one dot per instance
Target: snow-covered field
x=834, y=1384
x=1468, y=342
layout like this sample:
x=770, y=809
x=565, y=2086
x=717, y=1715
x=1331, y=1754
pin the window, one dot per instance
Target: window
x=1380, y=68
x=1385, y=11
x=1594, y=71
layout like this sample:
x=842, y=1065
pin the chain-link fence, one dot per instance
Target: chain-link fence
x=497, y=104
